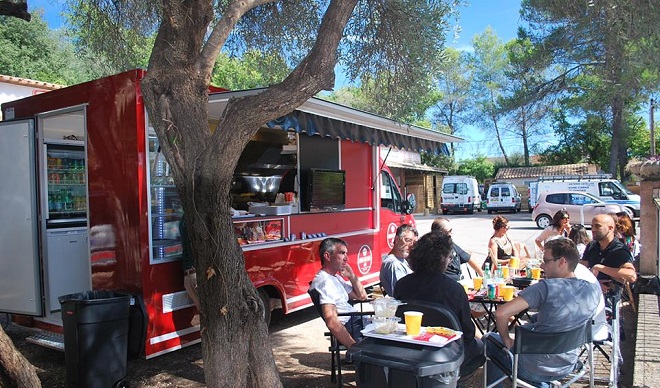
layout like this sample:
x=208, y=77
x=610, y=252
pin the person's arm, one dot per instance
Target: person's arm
x=541, y=238
x=502, y=315
x=625, y=273
x=335, y=326
x=358, y=291
x=492, y=250
x=476, y=267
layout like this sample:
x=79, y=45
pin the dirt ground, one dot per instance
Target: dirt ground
x=298, y=344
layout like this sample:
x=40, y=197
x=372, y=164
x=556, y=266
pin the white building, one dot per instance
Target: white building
x=14, y=88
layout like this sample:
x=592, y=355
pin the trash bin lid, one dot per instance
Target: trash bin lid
x=418, y=359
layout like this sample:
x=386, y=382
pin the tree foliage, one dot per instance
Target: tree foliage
x=616, y=42
x=490, y=61
x=32, y=50
x=479, y=167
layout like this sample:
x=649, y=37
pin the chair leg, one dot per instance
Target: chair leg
x=333, y=375
x=340, y=383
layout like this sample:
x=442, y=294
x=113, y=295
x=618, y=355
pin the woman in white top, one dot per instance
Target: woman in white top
x=580, y=237
x=560, y=226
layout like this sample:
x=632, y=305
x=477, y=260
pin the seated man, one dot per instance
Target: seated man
x=607, y=257
x=458, y=255
x=563, y=302
x=395, y=266
x=428, y=282
x=335, y=291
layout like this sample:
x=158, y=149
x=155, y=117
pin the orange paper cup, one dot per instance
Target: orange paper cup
x=536, y=273
x=413, y=322
x=506, y=292
x=478, y=281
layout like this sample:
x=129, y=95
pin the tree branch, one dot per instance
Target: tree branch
x=17, y=10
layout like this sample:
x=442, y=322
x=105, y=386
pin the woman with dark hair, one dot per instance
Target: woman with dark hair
x=560, y=226
x=500, y=247
x=627, y=234
x=580, y=237
x=428, y=282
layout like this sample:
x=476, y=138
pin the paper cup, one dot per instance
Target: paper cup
x=413, y=322
x=536, y=273
x=478, y=281
x=505, y=272
x=507, y=292
x=514, y=263
x=466, y=287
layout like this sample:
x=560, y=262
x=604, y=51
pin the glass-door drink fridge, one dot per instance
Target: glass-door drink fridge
x=65, y=182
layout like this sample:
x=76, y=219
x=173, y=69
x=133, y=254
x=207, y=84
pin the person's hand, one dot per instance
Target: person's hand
x=508, y=342
x=596, y=269
x=347, y=272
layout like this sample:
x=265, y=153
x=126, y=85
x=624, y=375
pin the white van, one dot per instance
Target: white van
x=460, y=193
x=601, y=186
x=503, y=197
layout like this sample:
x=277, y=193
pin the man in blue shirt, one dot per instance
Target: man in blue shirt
x=395, y=265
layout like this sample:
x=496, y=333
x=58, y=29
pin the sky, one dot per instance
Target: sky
x=502, y=15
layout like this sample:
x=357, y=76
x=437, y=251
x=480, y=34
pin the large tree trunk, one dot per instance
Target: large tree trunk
x=235, y=342
x=19, y=372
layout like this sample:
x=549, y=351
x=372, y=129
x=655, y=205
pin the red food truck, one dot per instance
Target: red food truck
x=92, y=205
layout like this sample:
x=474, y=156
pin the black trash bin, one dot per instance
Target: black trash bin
x=95, y=338
x=385, y=363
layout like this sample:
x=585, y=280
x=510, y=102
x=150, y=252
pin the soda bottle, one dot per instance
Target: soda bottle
x=487, y=275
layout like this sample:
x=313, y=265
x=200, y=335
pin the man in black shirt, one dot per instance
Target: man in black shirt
x=458, y=255
x=608, y=258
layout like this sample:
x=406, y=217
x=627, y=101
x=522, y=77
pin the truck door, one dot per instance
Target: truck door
x=20, y=281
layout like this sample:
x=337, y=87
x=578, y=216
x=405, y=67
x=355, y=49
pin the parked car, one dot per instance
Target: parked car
x=503, y=197
x=582, y=207
x=460, y=193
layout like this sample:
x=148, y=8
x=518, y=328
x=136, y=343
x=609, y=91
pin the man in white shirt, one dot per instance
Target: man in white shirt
x=335, y=291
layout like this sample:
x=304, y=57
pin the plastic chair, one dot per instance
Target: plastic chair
x=610, y=348
x=531, y=342
x=335, y=347
x=435, y=314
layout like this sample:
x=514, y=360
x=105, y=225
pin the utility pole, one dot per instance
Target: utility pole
x=652, y=127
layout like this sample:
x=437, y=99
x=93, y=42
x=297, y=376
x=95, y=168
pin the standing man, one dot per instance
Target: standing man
x=607, y=257
x=334, y=290
x=563, y=302
x=458, y=255
x=395, y=265
x=188, y=264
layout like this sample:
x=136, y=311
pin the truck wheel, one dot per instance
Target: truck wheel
x=490, y=211
x=543, y=221
x=266, y=302
x=470, y=210
x=444, y=211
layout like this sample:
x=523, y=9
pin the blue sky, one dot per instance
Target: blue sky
x=501, y=15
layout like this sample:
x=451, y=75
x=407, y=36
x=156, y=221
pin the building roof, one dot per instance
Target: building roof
x=29, y=82
x=538, y=171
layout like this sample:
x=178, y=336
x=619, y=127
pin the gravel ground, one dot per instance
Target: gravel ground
x=298, y=344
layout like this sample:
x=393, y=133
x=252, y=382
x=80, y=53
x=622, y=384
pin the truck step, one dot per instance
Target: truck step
x=48, y=340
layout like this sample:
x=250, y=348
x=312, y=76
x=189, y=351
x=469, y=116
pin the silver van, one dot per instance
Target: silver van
x=503, y=197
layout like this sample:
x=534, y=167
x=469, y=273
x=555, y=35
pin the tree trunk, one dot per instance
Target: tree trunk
x=235, y=342
x=19, y=372
x=618, y=138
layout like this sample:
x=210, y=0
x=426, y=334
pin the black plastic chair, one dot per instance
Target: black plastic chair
x=336, y=347
x=436, y=314
x=531, y=342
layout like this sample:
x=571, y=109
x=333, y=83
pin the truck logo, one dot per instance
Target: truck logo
x=364, y=259
x=391, y=235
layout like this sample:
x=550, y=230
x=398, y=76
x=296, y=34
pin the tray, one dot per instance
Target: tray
x=423, y=338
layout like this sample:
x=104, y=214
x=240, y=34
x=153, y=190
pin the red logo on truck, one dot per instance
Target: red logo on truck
x=364, y=259
x=391, y=234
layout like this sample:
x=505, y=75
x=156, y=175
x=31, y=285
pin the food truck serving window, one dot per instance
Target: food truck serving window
x=323, y=190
